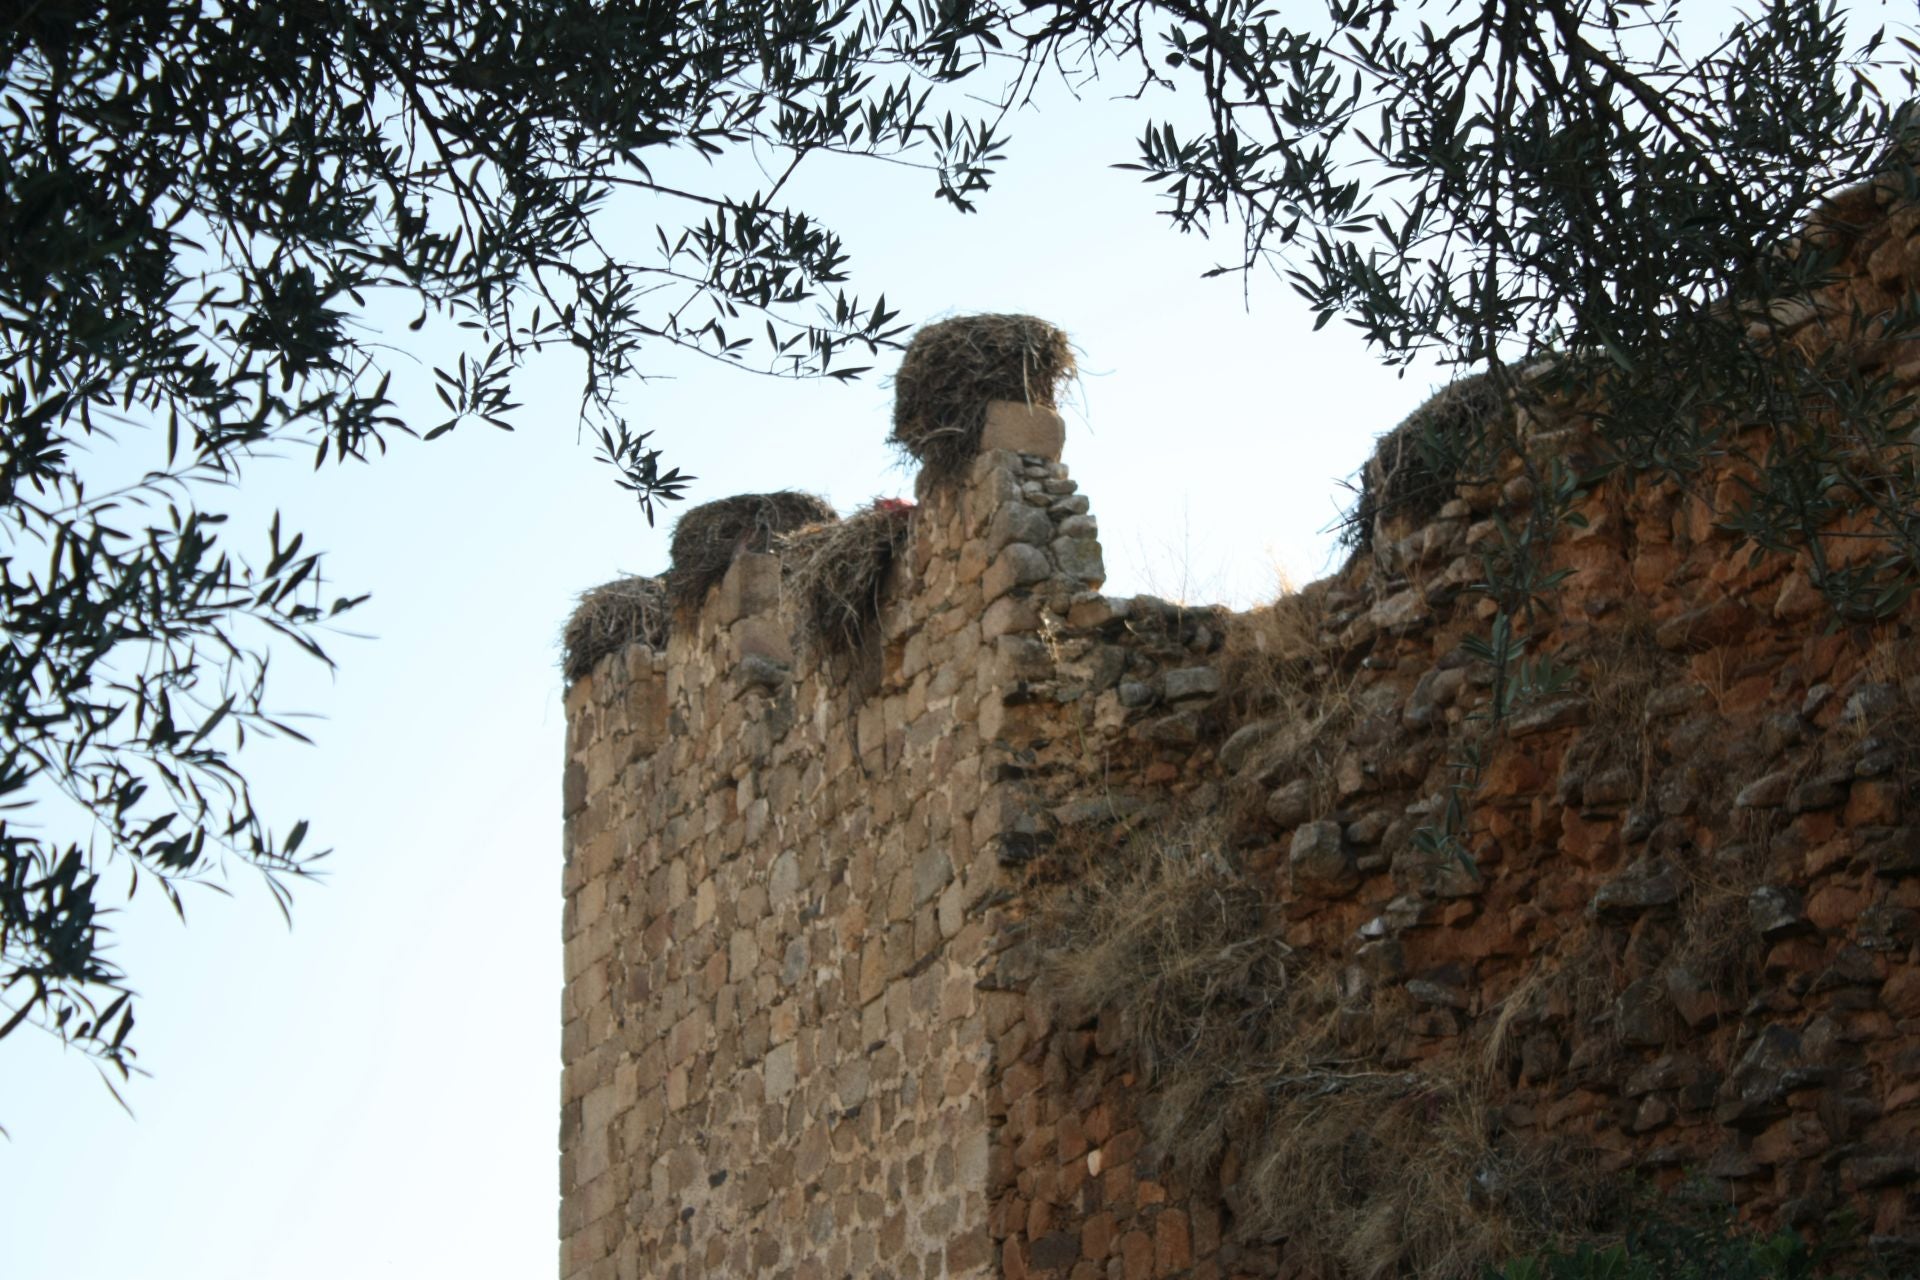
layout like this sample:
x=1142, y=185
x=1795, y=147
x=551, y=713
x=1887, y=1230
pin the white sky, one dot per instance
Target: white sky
x=376, y=1092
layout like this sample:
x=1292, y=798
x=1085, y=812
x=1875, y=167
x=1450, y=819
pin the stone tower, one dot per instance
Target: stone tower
x=783, y=876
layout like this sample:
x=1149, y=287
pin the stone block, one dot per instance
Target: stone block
x=1643, y=1014
x=751, y=586
x=1560, y=713
x=1017, y=565
x=781, y=1070
x=932, y=870
x=1023, y=428
x=997, y=469
x=1009, y=614
x=1643, y=887
x=751, y=673
x=1291, y=803
x=1769, y=792
x=1400, y=613
x=1319, y=862
x=783, y=880
x=1021, y=657
x=1018, y=522
x=1775, y=912
x=971, y=565
x=1017, y=723
x=1238, y=749
x=1190, y=682
x=1094, y=610
x=761, y=637
x=1080, y=558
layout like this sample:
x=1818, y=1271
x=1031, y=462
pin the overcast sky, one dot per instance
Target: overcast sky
x=375, y=1092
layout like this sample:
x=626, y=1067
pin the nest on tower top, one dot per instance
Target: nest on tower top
x=611, y=617
x=1416, y=466
x=837, y=573
x=707, y=538
x=954, y=367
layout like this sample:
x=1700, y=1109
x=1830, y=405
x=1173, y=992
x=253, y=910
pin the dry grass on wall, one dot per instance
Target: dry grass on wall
x=1273, y=660
x=1274, y=1072
x=954, y=367
x=611, y=617
x=1416, y=466
x=1621, y=667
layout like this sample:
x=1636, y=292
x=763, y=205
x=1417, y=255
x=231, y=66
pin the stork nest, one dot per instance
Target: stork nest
x=953, y=368
x=837, y=572
x=707, y=538
x=1416, y=466
x=611, y=617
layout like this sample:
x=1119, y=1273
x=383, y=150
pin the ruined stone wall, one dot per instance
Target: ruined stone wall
x=1689, y=957
x=808, y=1026
x=782, y=880
x=1694, y=924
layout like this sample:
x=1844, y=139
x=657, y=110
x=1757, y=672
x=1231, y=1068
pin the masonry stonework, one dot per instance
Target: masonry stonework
x=782, y=883
x=803, y=1036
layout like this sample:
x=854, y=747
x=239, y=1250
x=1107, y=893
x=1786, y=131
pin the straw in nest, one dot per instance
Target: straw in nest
x=837, y=571
x=953, y=368
x=611, y=617
x=707, y=538
x=1415, y=467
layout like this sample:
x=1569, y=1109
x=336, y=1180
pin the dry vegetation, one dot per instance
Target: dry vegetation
x=611, y=617
x=1620, y=668
x=708, y=537
x=1716, y=939
x=954, y=367
x=837, y=571
x=1274, y=661
x=1415, y=466
x=1274, y=1071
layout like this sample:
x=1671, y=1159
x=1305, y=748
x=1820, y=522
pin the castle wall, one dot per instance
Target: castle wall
x=782, y=877
x=1689, y=959
x=1689, y=955
x=808, y=1031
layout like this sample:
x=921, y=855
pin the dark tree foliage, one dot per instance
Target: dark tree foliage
x=205, y=209
x=201, y=208
x=1574, y=195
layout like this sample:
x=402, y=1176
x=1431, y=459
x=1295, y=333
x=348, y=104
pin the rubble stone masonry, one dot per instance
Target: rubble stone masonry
x=782, y=883
x=801, y=1036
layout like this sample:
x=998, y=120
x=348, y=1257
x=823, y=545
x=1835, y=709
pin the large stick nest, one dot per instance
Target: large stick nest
x=611, y=617
x=1416, y=466
x=707, y=538
x=837, y=573
x=953, y=368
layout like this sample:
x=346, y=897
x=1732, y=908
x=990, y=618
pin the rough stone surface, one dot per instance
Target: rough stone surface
x=779, y=933
x=1320, y=861
x=806, y=1033
x=1191, y=682
x=1023, y=428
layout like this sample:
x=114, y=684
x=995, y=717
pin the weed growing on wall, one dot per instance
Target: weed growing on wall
x=1277, y=1073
